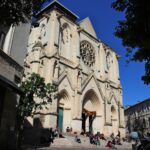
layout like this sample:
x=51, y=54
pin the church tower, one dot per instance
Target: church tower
x=69, y=54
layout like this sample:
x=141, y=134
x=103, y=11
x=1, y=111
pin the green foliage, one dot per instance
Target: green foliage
x=134, y=31
x=35, y=87
x=18, y=11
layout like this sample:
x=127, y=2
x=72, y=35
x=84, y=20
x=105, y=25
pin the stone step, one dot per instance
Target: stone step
x=61, y=142
x=69, y=141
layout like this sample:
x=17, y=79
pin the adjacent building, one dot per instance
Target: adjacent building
x=137, y=117
x=13, y=43
x=69, y=53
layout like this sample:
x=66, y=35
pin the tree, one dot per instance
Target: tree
x=33, y=87
x=134, y=31
x=18, y=11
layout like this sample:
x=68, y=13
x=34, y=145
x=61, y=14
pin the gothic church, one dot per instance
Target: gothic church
x=68, y=53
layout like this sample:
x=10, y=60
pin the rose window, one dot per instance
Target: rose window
x=87, y=53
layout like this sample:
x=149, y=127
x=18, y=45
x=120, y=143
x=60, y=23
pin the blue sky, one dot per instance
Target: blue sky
x=104, y=20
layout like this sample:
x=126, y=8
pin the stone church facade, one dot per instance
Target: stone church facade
x=69, y=54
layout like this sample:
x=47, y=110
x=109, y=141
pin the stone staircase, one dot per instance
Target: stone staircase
x=69, y=141
x=59, y=142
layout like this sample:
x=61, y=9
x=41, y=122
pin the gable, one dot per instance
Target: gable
x=88, y=27
x=65, y=81
x=112, y=98
x=59, y=7
x=91, y=83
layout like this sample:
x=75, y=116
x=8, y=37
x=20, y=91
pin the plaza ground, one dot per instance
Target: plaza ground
x=68, y=143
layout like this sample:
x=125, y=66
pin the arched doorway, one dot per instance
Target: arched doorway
x=90, y=109
x=114, y=117
x=64, y=111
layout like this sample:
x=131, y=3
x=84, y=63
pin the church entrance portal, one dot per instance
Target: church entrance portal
x=90, y=109
x=60, y=118
x=64, y=111
x=87, y=120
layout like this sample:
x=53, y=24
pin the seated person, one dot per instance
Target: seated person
x=82, y=132
x=102, y=137
x=117, y=139
x=119, y=134
x=96, y=140
x=91, y=138
x=124, y=139
x=110, y=145
x=112, y=136
x=114, y=141
x=71, y=129
x=56, y=134
x=118, y=142
x=77, y=139
x=67, y=129
x=98, y=134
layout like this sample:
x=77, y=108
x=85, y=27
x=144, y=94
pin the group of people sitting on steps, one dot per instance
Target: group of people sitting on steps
x=114, y=140
x=95, y=139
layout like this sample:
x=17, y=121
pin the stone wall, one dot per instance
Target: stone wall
x=8, y=120
x=10, y=74
x=9, y=68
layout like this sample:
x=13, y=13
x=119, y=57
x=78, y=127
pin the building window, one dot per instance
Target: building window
x=2, y=39
x=17, y=79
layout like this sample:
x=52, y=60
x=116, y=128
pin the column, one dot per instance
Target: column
x=87, y=124
x=79, y=80
x=98, y=124
x=52, y=25
x=121, y=121
x=76, y=105
x=35, y=59
x=49, y=70
x=107, y=107
x=51, y=117
x=56, y=70
x=77, y=120
x=79, y=107
x=121, y=116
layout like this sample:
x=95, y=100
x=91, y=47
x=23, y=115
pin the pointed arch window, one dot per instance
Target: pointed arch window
x=108, y=61
x=65, y=44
